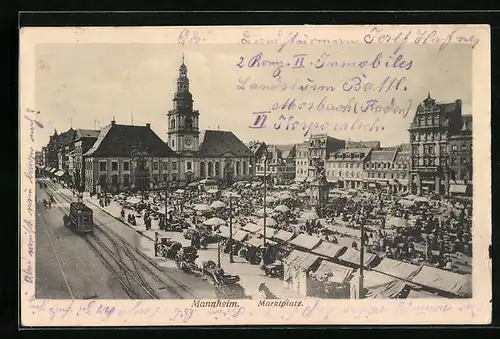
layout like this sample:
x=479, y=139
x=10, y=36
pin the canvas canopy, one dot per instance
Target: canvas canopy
x=352, y=256
x=329, y=250
x=333, y=273
x=435, y=278
x=270, y=232
x=252, y=228
x=240, y=235
x=396, y=268
x=306, y=241
x=283, y=235
x=351, y=232
x=224, y=231
x=258, y=242
x=462, y=189
x=301, y=259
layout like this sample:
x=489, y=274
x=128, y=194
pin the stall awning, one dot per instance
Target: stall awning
x=351, y=232
x=59, y=173
x=53, y=170
x=396, y=268
x=252, y=228
x=329, y=250
x=270, y=232
x=381, y=286
x=224, y=231
x=306, y=241
x=179, y=191
x=333, y=180
x=461, y=189
x=258, y=242
x=332, y=273
x=435, y=278
x=353, y=256
x=372, y=185
x=283, y=235
x=240, y=235
x=301, y=259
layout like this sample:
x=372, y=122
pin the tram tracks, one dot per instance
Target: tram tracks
x=138, y=274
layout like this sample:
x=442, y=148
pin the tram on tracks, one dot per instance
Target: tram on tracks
x=80, y=218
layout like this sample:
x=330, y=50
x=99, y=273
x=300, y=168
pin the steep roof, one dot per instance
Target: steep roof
x=402, y=156
x=383, y=155
x=86, y=133
x=120, y=140
x=217, y=143
x=66, y=137
x=363, y=144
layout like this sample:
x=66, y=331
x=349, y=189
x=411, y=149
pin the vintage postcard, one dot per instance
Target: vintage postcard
x=269, y=175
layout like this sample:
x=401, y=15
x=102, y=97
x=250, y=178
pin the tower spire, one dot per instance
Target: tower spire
x=183, y=58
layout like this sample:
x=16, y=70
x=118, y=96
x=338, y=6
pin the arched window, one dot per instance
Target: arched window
x=189, y=123
x=217, y=169
x=202, y=170
x=245, y=169
x=238, y=168
x=210, y=169
x=172, y=123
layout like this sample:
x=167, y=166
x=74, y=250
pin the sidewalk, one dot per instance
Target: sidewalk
x=251, y=276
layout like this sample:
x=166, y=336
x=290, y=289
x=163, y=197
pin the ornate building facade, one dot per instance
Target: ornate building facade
x=128, y=157
x=432, y=131
x=210, y=154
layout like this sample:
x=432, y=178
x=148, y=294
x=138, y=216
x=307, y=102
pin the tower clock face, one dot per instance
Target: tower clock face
x=188, y=142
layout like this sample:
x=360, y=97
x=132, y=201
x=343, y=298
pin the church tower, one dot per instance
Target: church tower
x=183, y=128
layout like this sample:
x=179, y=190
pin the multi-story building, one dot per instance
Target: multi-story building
x=38, y=158
x=460, y=152
x=280, y=163
x=378, y=169
x=345, y=167
x=213, y=154
x=318, y=147
x=83, y=140
x=432, y=131
x=301, y=161
x=400, y=169
x=128, y=157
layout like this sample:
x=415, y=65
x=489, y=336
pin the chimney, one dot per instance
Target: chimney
x=113, y=122
x=148, y=125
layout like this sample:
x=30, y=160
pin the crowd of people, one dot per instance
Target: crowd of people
x=432, y=229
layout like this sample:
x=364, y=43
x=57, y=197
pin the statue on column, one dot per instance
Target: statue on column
x=320, y=172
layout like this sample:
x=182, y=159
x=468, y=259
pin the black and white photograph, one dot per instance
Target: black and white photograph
x=278, y=167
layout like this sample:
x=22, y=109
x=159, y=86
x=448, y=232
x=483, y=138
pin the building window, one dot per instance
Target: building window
x=238, y=168
x=165, y=165
x=188, y=165
x=217, y=169
x=174, y=177
x=173, y=143
x=174, y=166
x=202, y=169
x=126, y=180
x=126, y=166
x=102, y=166
x=245, y=169
x=155, y=165
x=114, y=180
x=453, y=147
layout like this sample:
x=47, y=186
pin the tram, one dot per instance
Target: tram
x=80, y=218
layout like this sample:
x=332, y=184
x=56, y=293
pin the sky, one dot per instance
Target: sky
x=79, y=84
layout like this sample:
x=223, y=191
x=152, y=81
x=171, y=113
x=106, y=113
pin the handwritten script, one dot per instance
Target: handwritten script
x=314, y=311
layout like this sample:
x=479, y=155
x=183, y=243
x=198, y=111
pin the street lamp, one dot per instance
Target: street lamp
x=231, y=195
x=265, y=193
x=362, y=254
